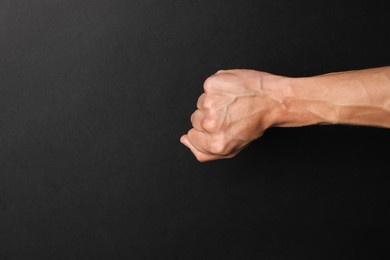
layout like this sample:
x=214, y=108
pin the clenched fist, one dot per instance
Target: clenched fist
x=237, y=106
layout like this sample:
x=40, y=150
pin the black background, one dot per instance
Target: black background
x=94, y=96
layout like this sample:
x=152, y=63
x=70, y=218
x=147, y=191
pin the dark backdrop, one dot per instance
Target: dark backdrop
x=94, y=96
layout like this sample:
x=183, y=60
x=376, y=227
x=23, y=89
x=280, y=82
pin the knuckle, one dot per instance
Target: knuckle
x=217, y=146
x=195, y=115
x=208, y=103
x=190, y=135
x=200, y=101
x=209, y=83
x=209, y=124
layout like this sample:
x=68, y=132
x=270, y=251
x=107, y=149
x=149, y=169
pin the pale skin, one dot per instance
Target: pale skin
x=239, y=105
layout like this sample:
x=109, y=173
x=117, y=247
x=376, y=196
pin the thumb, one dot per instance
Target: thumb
x=201, y=157
x=184, y=140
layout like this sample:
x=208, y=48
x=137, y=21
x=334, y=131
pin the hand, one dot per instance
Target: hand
x=237, y=106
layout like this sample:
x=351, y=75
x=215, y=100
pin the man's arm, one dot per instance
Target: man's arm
x=239, y=105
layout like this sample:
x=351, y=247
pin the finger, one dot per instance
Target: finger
x=204, y=143
x=198, y=140
x=202, y=157
x=199, y=104
x=196, y=120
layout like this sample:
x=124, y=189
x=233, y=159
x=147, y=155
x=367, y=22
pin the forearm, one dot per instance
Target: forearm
x=360, y=97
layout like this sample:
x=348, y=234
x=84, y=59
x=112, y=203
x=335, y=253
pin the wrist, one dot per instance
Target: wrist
x=304, y=103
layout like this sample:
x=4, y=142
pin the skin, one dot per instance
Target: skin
x=239, y=105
